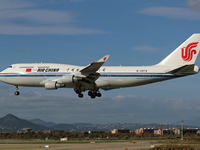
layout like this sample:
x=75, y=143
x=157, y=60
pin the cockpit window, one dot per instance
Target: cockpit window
x=10, y=67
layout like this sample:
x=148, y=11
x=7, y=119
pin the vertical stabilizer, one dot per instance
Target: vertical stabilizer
x=185, y=54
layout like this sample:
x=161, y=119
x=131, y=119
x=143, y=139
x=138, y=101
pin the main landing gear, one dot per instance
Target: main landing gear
x=92, y=94
x=80, y=95
x=16, y=90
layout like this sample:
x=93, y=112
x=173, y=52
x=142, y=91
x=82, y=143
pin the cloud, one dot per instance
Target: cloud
x=122, y=108
x=35, y=30
x=171, y=12
x=24, y=18
x=20, y=51
x=36, y=16
x=194, y=4
x=11, y=4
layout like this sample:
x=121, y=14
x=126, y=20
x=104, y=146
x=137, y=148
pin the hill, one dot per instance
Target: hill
x=43, y=123
x=64, y=127
x=11, y=123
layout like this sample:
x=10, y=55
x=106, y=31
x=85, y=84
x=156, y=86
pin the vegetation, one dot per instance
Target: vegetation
x=56, y=135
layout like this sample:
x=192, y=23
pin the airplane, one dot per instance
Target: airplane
x=95, y=76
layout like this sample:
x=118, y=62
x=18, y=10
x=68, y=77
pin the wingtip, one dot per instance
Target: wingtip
x=104, y=59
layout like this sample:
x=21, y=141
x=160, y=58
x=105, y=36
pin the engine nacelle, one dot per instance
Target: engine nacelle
x=53, y=85
x=70, y=79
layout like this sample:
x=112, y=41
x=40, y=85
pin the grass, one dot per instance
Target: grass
x=174, y=147
x=38, y=141
x=178, y=144
x=165, y=144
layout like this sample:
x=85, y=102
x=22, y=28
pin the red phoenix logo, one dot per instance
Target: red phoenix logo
x=28, y=70
x=188, y=51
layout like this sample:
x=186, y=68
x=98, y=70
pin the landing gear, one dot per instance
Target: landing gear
x=99, y=94
x=80, y=95
x=16, y=93
x=89, y=93
x=94, y=94
x=16, y=90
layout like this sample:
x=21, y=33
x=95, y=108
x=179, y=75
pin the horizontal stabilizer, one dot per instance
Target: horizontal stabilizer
x=184, y=69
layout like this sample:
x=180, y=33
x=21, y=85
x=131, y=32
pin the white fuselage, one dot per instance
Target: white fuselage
x=35, y=75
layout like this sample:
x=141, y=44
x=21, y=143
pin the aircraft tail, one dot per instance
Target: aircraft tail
x=185, y=54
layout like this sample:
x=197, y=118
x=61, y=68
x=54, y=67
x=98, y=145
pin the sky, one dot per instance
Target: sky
x=78, y=32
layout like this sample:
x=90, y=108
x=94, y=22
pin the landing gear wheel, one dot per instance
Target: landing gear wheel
x=89, y=93
x=93, y=95
x=80, y=95
x=16, y=90
x=16, y=93
x=99, y=95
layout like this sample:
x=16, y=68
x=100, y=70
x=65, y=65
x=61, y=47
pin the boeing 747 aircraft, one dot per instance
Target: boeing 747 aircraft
x=91, y=78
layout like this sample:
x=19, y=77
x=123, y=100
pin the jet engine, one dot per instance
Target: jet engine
x=52, y=85
x=70, y=79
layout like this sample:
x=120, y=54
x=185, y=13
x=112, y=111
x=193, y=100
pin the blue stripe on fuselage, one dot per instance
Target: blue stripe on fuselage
x=102, y=75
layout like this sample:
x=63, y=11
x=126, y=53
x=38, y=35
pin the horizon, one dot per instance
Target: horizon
x=171, y=124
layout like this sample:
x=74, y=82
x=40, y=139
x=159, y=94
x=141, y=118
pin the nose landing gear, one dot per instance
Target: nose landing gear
x=16, y=90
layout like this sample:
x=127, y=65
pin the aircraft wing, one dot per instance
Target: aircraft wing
x=94, y=67
x=87, y=75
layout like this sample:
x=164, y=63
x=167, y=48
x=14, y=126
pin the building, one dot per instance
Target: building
x=64, y=139
x=139, y=131
x=158, y=132
x=176, y=131
x=168, y=131
x=145, y=130
x=186, y=130
x=27, y=130
x=198, y=131
x=97, y=132
x=115, y=131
